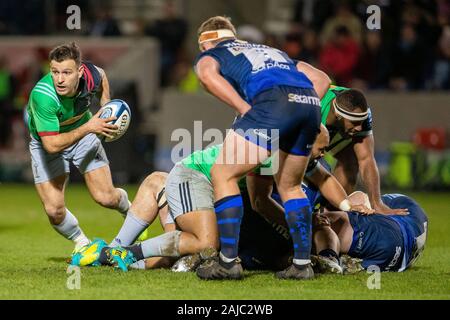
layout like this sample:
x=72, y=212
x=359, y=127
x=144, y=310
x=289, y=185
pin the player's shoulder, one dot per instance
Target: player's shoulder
x=224, y=50
x=218, y=53
x=93, y=70
x=44, y=92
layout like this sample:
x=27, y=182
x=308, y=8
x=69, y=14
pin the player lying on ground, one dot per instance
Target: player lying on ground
x=389, y=242
x=349, y=120
x=63, y=130
x=277, y=103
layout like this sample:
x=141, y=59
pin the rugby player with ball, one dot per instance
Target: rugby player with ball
x=63, y=131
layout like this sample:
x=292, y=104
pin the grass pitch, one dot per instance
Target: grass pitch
x=33, y=266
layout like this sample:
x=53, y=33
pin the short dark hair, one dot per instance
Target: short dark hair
x=351, y=100
x=66, y=52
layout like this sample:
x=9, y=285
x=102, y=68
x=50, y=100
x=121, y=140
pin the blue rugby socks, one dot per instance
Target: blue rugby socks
x=299, y=218
x=229, y=212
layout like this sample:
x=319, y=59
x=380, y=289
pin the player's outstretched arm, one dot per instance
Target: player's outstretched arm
x=208, y=73
x=320, y=79
x=364, y=151
x=59, y=142
x=334, y=192
x=329, y=187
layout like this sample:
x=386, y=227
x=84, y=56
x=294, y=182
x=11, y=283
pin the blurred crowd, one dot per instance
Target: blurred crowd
x=411, y=51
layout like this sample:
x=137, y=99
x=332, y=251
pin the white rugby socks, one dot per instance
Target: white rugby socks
x=70, y=230
x=131, y=229
x=164, y=245
x=139, y=265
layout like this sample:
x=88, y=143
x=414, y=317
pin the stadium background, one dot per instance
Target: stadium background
x=147, y=48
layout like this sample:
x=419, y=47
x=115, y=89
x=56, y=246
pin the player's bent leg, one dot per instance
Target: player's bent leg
x=199, y=231
x=52, y=198
x=237, y=157
x=102, y=190
x=326, y=243
x=158, y=262
x=143, y=210
x=198, y=241
x=145, y=205
x=61, y=219
x=298, y=214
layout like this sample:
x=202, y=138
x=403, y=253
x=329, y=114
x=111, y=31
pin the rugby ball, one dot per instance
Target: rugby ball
x=119, y=109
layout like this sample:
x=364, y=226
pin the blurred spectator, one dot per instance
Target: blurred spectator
x=310, y=46
x=375, y=63
x=301, y=45
x=171, y=31
x=443, y=12
x=344, y=17
x=441, y=69
x=313, y=13
x=7, y=92
x=339, y=56
x=293, y=45
x=409, y=60
x=22, y=17
x=104, y=25
x=422, y=18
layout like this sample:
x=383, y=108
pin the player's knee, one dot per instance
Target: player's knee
x=155, y=181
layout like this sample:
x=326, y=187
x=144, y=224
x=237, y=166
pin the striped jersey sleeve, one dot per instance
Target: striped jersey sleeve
x=44, y=105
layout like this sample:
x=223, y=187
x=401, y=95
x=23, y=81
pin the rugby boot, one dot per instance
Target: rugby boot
x=292, y=272
x=211, y=269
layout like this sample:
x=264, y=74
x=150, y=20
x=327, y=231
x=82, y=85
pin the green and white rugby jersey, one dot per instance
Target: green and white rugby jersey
x=338, y=141
x=51, y=114
x=203, y=161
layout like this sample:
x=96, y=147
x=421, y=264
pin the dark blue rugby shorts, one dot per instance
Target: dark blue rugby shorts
x=285, y=116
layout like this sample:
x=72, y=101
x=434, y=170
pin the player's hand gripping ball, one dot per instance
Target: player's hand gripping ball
x=119, y=109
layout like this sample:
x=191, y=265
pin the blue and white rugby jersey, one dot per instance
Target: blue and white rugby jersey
x=252, y=68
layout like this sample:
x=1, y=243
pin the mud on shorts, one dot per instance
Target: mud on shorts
x=187, y=190
x=87, y=155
